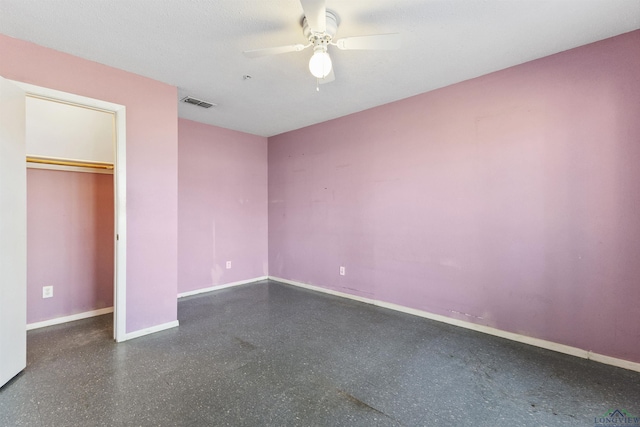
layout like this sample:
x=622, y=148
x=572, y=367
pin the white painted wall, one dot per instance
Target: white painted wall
x=55, y=129
x=13, y=232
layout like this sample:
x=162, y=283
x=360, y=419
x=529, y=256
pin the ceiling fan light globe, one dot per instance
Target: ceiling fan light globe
x=320, y=65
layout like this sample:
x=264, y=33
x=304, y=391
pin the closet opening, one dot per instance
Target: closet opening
x=76, y=218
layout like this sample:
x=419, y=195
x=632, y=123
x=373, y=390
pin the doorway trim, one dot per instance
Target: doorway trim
x=120, y=193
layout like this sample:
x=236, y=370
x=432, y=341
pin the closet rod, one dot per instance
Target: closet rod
x=80, y=164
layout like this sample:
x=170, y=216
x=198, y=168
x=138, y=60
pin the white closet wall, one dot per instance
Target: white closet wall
x=65, y=131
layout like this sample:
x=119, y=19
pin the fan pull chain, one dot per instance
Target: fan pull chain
x=317, y=84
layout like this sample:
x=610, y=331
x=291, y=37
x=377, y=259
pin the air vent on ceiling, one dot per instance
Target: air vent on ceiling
x=198, y=102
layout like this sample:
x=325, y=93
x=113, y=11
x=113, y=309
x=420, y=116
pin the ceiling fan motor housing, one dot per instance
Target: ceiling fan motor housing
x=329, y=33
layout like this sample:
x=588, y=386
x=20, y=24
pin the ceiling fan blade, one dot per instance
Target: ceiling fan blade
x=316, y=13
x=255, y=53
x=329, y=78
x=373, y=42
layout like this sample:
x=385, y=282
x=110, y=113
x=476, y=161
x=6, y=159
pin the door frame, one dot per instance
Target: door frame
x=120, y=192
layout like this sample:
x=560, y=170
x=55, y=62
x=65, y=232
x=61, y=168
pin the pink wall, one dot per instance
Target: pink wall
x=509, y=200
x=69, y=242
x=222, y=206
x=152, y=166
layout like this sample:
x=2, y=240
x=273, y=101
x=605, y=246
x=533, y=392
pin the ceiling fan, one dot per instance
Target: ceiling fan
x=319, y=26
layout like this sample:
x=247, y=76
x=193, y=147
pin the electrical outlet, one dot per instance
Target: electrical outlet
x=228, y=265
x=342, y=272
x=47, y=292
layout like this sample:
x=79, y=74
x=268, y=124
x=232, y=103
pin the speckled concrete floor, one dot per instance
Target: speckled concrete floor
x=269, y=354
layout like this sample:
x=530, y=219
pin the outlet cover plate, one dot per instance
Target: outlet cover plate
x=47, y=292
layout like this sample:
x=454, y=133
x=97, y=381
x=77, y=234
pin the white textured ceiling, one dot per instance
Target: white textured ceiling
x=197, y=46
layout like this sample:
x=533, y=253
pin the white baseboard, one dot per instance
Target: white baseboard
x=218, y=287
x=151, y=330
x=549, y=345
x=65, y=319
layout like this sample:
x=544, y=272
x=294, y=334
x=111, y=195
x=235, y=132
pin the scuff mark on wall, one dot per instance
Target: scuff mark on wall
x=216, y=270
x=450, y=262
x=467, y=315
x=216, y=274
